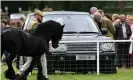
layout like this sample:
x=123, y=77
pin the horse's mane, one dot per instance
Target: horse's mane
x=8, y=29
x=48, y=26
x=49, y=29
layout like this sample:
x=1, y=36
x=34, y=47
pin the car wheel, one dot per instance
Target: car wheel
x=108, y=70
x=50, y=65
x=108, y=67
x=107, y=64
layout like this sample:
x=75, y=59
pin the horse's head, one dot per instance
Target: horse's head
x=56, y=37
x=51, y=30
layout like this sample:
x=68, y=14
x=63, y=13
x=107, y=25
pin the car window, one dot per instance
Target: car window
x=75, y=23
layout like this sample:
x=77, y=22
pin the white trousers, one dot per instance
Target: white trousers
x=131, y=45
x=131, y=48
x=28, y=62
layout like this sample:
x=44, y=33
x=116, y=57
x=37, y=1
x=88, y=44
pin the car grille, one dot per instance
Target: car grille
x=82, y=47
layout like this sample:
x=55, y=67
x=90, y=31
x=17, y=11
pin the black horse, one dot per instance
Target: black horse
x=35, y=44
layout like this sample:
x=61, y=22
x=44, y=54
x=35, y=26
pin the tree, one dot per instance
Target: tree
x=121, y=5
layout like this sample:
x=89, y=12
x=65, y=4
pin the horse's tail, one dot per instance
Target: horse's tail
x=2, y=48
x=2, y=41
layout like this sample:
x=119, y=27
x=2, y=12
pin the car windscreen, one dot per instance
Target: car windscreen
x=74, y=22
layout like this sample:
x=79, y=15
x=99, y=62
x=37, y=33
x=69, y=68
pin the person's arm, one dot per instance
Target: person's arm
x=129, y=31
x=116, y=31
x=32, y=26
x=111, y=27
x=132, y=28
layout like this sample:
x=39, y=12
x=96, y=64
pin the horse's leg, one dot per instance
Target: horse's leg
x=26, y=68
x=42, y=68
x=20, y=73
x=17, y=62
x=10, y=73
x=34, y=61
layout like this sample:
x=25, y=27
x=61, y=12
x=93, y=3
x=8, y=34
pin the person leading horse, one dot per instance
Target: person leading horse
x=42, y=73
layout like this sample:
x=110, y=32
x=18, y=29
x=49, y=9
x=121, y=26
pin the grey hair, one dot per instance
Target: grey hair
x=97, y=14
x=92, y=9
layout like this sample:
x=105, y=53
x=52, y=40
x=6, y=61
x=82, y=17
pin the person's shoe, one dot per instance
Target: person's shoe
x=47, y=78
x=10, y=74
x=41, y=77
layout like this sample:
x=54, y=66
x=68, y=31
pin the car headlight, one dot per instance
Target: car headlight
x=60, y=48
x=107, y=47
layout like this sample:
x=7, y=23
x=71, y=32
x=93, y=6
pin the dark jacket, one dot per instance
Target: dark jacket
x=119, y=31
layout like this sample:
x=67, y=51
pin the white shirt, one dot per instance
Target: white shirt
x=132, y=28
x=124, y=30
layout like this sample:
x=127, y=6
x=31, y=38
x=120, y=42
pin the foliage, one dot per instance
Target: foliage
x=107, y=6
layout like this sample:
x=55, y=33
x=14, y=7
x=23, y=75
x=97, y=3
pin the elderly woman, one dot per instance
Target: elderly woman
x=127, y=19
x=131, y=38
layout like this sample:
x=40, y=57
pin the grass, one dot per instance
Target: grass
x=123, y=74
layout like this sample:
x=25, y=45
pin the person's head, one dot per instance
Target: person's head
x=115, y=17
x=101, y=12
x=13, y=25
x=19, y=24
x=39, y=15
x=93, y=10
x=22, y=19
x=109, y=16
x=4, y=23
x=36, y=9
x=131, y=19
x=127, y=18
x=47, y=9
x=122, y=18
x=97, y=16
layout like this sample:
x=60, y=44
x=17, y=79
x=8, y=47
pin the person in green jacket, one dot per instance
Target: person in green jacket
x=103, y=22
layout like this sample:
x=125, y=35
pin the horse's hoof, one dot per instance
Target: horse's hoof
x=41, y=77
x=46, y=79
x=20, y=77
x=10, y=74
